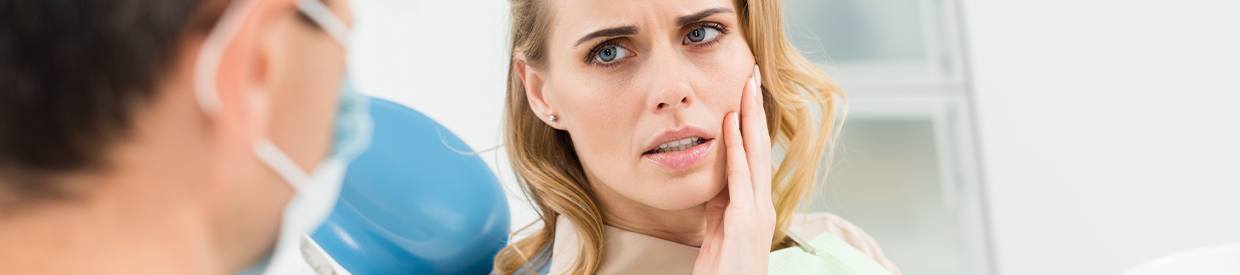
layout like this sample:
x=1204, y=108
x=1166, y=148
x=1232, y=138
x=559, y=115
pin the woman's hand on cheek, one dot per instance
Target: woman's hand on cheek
x=740, y=222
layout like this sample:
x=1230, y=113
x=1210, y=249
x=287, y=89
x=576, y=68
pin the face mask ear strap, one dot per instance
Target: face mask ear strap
x=320, y=14
x=281, y=164
x=207, y=65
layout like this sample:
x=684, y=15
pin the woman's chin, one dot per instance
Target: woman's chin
x=686, y=191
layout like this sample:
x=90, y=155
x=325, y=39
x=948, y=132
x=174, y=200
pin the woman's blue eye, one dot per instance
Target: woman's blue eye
x=701, y=35
x=610, y=53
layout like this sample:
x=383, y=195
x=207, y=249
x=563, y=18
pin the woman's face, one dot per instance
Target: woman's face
x=642, y=87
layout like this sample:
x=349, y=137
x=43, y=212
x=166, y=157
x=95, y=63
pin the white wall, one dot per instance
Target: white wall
x=1110, y=129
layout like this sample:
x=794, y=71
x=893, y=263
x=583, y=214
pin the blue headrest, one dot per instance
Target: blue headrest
x=419, y=201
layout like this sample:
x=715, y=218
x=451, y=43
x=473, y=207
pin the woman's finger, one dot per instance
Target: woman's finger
x=740, y=184
x=757, y=138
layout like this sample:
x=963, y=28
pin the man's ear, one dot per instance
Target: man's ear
x=244, y=73
x=535, y=86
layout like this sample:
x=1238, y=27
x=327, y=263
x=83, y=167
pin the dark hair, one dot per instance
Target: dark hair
x=73, y=73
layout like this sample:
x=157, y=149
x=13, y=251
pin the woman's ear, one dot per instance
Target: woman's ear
x=535, y=92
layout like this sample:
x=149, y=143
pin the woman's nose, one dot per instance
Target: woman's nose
x=671, y=91
x=671, y=103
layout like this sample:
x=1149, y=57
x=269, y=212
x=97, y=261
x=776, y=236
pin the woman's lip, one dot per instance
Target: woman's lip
x=675, y=134
x=683, y=159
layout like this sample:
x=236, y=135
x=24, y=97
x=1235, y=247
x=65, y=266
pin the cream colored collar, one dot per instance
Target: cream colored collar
x=625, y=252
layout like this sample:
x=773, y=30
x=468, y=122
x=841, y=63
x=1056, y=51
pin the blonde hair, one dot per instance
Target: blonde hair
x=550, y=173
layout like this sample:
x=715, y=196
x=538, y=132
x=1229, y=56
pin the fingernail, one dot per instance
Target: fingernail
x=753, y=86
x=736, y=122
x=757, y=74
x=755, y=83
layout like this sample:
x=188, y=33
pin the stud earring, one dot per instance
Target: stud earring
x=553, y=118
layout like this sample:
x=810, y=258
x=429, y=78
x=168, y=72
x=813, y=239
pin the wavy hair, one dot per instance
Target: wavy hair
x=550, y=173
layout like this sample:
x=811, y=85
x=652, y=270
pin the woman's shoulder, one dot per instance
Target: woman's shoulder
x=811, y=225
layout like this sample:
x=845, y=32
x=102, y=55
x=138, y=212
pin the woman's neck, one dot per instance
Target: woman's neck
x=684, y=226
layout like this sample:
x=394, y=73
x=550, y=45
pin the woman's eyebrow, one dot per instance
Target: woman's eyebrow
x=693, y=18
x=608, y=32
x=630, y=30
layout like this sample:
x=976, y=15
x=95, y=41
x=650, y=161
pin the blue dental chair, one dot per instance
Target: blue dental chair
x=419, y=201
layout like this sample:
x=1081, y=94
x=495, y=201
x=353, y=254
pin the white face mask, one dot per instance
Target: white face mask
x=316, y=191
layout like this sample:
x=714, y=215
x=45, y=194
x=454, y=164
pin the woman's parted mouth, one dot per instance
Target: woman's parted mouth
x=679, y=149
x=677, y=139
x=677, y=145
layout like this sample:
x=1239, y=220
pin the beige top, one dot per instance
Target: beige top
x=629, y=252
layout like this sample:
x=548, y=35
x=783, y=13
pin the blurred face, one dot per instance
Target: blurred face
x=642, y=87
x=299, y=70
x=306, y=76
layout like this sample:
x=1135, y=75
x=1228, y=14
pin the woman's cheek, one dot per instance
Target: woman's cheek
x=728, y=87
x=731, y=67
x=604, y=121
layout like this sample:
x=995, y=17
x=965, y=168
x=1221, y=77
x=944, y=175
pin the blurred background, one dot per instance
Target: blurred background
x=983, y=136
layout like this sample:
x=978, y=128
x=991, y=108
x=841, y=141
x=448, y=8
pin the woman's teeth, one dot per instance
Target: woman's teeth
x=677, y=145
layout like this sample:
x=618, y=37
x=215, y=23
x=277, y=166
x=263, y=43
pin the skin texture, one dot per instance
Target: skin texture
x=739, y=226
x=658, y=79
x=184, y=192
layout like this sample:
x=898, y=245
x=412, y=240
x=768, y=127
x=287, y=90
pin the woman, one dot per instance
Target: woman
x=642, y=132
